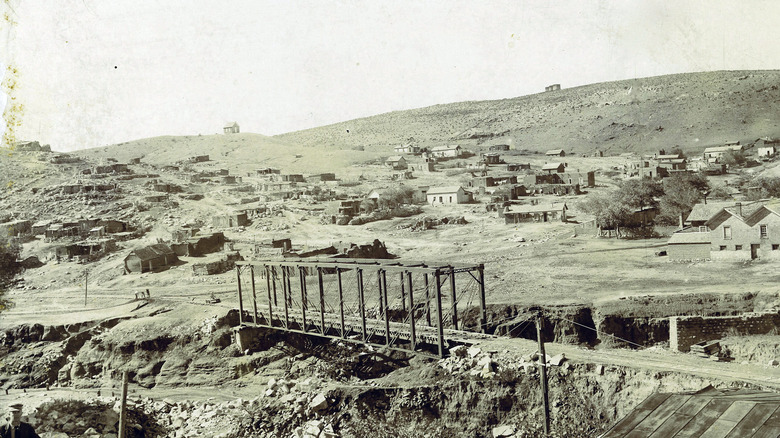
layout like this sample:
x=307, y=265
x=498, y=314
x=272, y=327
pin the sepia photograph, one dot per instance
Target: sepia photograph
x=370, y=218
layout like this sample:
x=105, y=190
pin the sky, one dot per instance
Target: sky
x=90, y=73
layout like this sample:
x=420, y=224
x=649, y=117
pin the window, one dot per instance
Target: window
x=775, y=247
x=737, y=247
x=703, y=229
x=763, y=231
x=723, y=247
x=727, y=232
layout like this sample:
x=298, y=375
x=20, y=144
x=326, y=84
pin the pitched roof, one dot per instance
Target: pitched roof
x=551, y=166
x=723, y=148
x=554, y=152
x=445, y=148
x=705, y=212
x=231, y=125
x=710, y=412
x=395, y=158
x=683, y=238
x=447, y=189
x=152, y=251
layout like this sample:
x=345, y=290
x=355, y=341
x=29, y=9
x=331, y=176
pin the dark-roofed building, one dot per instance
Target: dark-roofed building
x=554, y=167
x=499, y=147
x=150, y=258
x=710, y=412
x=200, y=245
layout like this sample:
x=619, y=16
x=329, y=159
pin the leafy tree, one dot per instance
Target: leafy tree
x=762, y=187
x=608, y=209
x=639, y=193
x=734, y=158
x=681, y=192
x=719, y=191
x=9, y=267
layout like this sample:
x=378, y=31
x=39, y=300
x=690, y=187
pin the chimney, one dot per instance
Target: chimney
x=739, y=208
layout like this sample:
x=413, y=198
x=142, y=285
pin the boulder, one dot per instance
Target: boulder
x=318, y=403
x=503, y=431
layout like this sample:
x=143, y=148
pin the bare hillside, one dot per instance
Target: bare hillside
x=690, y=110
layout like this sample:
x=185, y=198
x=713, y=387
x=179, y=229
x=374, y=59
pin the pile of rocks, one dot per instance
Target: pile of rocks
x=475, y=362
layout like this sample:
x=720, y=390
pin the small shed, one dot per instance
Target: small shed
x=396, y=162
x=150, y=258
x=535, y=213
x=555, y=152
x=689, y=246
x=554, y=167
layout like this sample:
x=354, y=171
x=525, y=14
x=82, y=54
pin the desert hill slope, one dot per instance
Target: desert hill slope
x=692, y=110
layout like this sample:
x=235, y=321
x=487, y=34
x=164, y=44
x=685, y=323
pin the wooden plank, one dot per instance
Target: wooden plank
x=704, y=419
x=753, y=420
x=719, y=429
x=774, y=419
x=671, y=426
x=636, y=416
x=660, y=414
x=693, y=405
x=767, y=431
x=738, y=410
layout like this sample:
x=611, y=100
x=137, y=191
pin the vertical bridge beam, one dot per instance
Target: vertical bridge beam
x=341, y=305
x=361, y=303
x=482, y=305
x=302, y=276
x=254, y=295
x=439, y=327
x=412, y=332
x=240, y=296
x=285, y=288
x=268, y=273
x=322, y=300
x=454, y=299
x=384, y=300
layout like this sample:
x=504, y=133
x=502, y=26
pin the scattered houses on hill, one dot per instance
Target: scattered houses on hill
x=448, y=195
x=149, y=258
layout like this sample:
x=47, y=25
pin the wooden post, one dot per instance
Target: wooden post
x=240, y=297
x=272, y=270
x=268, y=274
x=403, y=293
x=379, y=286
x=341, y=304
x=302, y=276
x=412, y=332
x=383, y=297
x=361, y=303
x=427, y=301
x=453, y=298
x=322, y=300
x=86, y=281
x=285, y=288
x=439, y=327
x=482, y=303
x=543, y=373
x=254, y=294
x=123, y=407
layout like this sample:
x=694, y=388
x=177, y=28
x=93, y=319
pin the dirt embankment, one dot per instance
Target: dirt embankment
x=192, y=379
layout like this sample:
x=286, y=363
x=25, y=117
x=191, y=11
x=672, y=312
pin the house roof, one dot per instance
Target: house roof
x=445, y=148
x=683, y=238
x=554, y=152
x=704, y=212
x=723, y=149
x=667, y=157
x=447, y=189
x=539, y=208
x=231, y=125
x=395, y=158
x=152, y=251
x=710, y=412
x=551, y=166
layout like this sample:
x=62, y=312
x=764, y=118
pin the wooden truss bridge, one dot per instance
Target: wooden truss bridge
x=409, y=306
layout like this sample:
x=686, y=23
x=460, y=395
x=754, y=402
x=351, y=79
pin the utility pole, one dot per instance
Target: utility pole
x=543, y=372
x=86, y=280
x=123, y=408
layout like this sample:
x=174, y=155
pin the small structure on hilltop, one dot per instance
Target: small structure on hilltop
x=150, y=258
x=553, y=87
x=448, y=195
x=231, y=128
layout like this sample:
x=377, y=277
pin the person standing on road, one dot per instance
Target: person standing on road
x=16, y=428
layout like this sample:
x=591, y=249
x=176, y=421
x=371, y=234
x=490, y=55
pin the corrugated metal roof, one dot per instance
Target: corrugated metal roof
x=710, y=412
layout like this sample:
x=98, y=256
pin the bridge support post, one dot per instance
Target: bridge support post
x=254, y=294
x=453, y=297
x=361, y=303
x=322, y=300
x=412, y=332
x=302, y=276
x=379, y=283
x=341, y=305
x=403, y=293
x=482, y=305
x=427, y=301
x=384, y=300
x=240, y=297
x=439, y=327
x=285, y=288
x=268, y=273
x=272, y=271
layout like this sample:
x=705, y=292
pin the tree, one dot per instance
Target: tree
x=639, y=193
x=9, y=266
x=733, y=158
x=608, y=209
x=681, y=192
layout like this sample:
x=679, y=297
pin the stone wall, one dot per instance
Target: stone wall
x=685, y=331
